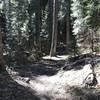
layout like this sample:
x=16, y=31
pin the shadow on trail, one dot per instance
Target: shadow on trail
x=78, y=62
x=11, y=90
x=48, y=68
x=85, y=94
x=51, y=67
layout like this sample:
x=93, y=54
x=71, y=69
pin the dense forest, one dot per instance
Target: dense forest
x=31, y=30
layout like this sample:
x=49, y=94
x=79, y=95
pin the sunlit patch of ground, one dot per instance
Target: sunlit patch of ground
x=61, y=85
x=58, y=86
x=58, y=57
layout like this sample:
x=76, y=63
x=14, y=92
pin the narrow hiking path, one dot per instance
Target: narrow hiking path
x=56, y=87
x=46, y=81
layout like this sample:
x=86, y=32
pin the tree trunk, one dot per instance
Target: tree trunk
x=68, y=24
x=30, y=28
x=1, y=47
x=50, y=20
x=38, y=23
x=93, y=32
x=54, y=29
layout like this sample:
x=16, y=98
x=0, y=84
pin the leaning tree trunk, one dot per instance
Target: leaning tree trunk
x=68, y=24
x=1, y=47
x=54, y=29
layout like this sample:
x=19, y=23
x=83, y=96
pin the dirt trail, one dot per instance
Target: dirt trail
x=47, y=81
x=59, y=86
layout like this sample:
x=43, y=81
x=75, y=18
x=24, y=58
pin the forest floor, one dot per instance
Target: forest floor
x=45, y=80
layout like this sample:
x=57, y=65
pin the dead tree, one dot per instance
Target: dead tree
x=90, y=81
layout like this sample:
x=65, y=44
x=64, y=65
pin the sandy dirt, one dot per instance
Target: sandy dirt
x=44, y=81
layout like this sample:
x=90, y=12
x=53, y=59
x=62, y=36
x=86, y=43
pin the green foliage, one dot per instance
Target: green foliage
x=85, y=18
x=97, y=49
x=20, y=25
x=84, y=13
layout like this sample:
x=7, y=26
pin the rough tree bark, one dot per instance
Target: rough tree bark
x=38, y=22
x=31, y=38
x=50, y=20
x=54, y=29
x=1, y=47
x=68, y=25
